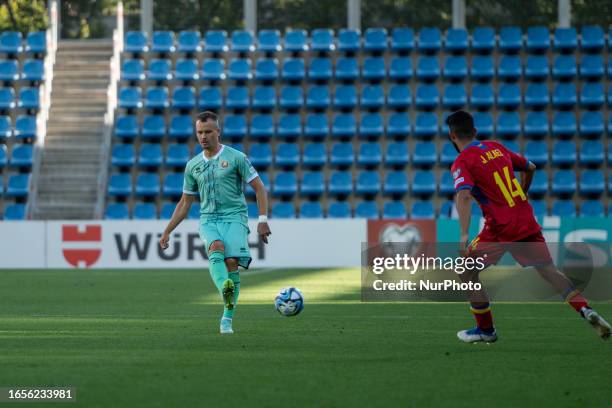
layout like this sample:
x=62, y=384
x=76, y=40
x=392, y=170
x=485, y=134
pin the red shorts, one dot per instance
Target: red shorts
x=529, y=251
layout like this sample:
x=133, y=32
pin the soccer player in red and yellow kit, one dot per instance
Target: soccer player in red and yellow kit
x=484, y=171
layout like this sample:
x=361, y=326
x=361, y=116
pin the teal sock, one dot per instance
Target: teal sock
x=218, y=270
x=235, y=277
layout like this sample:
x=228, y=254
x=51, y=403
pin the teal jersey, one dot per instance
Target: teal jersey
x=219, y=183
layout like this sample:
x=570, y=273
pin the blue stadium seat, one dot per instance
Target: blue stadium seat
x=563, y=208
x=177, y=155
x=18, y=186
x=398, y=125
x=564, y=124
x=260, y=155
x=342, y=154
x=120, y=185
x=396, y=183
x=375, y=40
x=264, y=97
x=266, y=69
x=426, y=125
x=592, y=38
x=315, y=155
x=6, y=128
x=159, y=70
x=25, y=127
x=117, y=211
x=427, y=96
x=317, y=97
x=565, y=39
x=215, y=41
x=428, y=68
x=317, y=126
x=322, y=40
x=123, y=155
x=370, y=154
x=536, y=95
x=592, y=95
x=320, y=69
x=483, y=122
x=126, y=127
x=446, y=209
x=3, y=159
x=339, y=209
x=399, y=97
x=163, y=42
x=311, y=210
x=509, y=68
x=536, y=67
x=252, y=210
x=345, y=97
x=265, y=179
x=482, y=68
x=592, y=183
x=144, y=211
x=402, y=39
x=186, y=70
x=22, y=156
x=592, y=208
x=455, y=68
x=367, y=183
x=510, y=39
x=156, y=97
x=564, y=67
x=15, y=212
x=456, y=40
x=454, y=96
x=539, y=208
x=210, y=98
x=400, y=68
x=291, y=97
x=397, y=154
x=564, y=153
x=564, y=182
x=508, y=124
x=287, y=155
x=349, y=40
x=372, y=96
x=422, y=210
x=424, y=154
x=194, y=211
x=344, y=125
x=285, y=184
x=340, y=183
x=423, y=183
x=242, y=41
x=262, y=126
x=153, y=126
x=430, y=39
x=448, y=154
x=347, y=69
x=374, y=68
x=447, y=184
x=591, y=124
x=150, y=155
x=289, y=126
x=184, y=97
x=173, y=185
x=371, y=125
x=129, y=97
x=136, y=42
x=591, y=153
x=240, y=70
x=269, y=41
x=482, y=96
x=11, y=42
x=536, y=124
x=28, y=98
x=539, y=184
x=509, y=96
x=181, y=127
x=189, y=41
x=538, y=39
x=36, y=42
x=237, y=98
x=296, y=40
x=283, y=210
x=366, y=209
x=235, y=126
x=313, y=184
x=483, y=39
x=293, y=69
x=537, y=152
x=394, y=209
x=33, y=70
x=9, y=70
x=213, y=69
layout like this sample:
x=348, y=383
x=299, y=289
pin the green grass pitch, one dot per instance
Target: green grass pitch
x=150, y=339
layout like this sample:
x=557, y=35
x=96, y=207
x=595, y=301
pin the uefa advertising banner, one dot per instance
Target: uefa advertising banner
x=294, y=243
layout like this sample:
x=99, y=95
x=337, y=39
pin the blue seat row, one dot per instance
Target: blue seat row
x=146, y=211
x=25, y=127
x=17, y=186
x=11, y=42
x=21, y=156
x=14, y=212
x=28, y=98
x=33, y=70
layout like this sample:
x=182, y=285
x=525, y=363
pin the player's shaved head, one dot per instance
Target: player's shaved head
x=209, y=117
x=461, y=123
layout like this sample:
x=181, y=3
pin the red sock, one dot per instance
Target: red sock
x=484, y=317
x=576, y=300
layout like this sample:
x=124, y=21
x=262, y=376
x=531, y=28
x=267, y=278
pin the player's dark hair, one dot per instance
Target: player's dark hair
x=462, y=124
x=208, y=115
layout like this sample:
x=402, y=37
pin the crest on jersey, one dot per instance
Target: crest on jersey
x=224, y=164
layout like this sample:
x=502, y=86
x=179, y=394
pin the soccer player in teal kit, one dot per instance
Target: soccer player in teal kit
x=217, y=176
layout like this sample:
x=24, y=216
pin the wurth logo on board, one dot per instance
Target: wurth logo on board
x=81, y=244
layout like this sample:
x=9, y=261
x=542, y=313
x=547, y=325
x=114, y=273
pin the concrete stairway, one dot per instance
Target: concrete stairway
x=71, y=158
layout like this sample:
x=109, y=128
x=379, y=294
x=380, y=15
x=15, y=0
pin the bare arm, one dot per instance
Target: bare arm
x=463, y=201
x=527, y=177
x=263, y=229
x=180, y=213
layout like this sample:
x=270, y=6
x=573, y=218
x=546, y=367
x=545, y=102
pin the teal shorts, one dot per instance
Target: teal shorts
x=234, y=236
